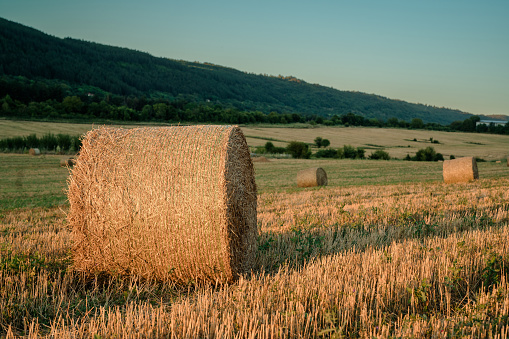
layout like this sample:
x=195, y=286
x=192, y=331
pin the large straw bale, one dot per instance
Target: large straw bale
x=310, y=177
x=34, y=151
x=165, y=203
x=460, y=170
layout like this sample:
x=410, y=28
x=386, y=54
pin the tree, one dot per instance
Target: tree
x=327, y=153
x=72, y=104
x=427, y=154
x=380, y=155
x=416, y=123
x=318, y=142
x=298, y=150
x=349, y=152
x=160, y=111
x=269, y=147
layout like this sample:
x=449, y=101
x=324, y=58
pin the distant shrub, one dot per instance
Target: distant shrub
x=426, y=154
x=298, y=150
x=360, y=153
x=380, y=155
x=327, y=153
x=269, y=147
x=349, y=152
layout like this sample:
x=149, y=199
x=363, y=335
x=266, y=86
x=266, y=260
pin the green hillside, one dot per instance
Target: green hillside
x=32, y=54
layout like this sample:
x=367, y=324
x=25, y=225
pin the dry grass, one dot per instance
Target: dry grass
x=169, y=203
x=397, y=142
x=410, y=260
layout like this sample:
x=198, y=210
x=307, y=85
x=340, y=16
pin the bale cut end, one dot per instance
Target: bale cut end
x=167, y=203
x=460, y=170
x=312, y=177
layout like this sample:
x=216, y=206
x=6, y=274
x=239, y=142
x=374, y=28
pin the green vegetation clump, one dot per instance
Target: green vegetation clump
x=346, y=152
x=327, y=153
x=320, y=142
x=299, y=150
x=380, y=155
x=60, y=143
x=426, y=154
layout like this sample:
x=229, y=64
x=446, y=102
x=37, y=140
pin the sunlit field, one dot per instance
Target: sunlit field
x=385, y=250
x=362, y=257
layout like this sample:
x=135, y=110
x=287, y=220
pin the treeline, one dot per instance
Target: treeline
x=21, y=98
x=132, y=75
x=59, y=143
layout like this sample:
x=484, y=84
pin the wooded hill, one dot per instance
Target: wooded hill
x=33, y=54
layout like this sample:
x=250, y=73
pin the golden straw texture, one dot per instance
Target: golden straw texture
x=169, y=203
x=460, y=170
x=310, y=177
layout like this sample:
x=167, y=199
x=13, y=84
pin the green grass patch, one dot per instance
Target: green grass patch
x=29, y=182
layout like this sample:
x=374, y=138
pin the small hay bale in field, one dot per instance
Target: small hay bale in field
x=260, y=159
x=460, y=170
x=310, y=177
x=67, y=162
x=166, y=203
x=34, y=151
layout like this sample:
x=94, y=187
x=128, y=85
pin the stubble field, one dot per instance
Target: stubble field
x=386, y=250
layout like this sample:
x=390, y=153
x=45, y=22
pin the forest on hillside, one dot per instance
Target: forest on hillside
x=49, y=100
x=126, y=73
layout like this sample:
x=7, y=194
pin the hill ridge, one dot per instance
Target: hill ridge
x=31, y=53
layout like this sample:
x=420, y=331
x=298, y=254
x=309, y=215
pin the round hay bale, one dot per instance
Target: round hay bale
x=460, y=170
x=166, y=203
x=67, y=162
x=34, y=151
x=310, y=177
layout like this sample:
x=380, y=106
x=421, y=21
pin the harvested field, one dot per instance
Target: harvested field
x=385, y=250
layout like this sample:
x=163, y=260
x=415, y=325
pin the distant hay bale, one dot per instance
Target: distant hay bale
x=310, y=177
x=34, y=151
x=166, y=203
x=67, y=162
x=260, y=159
x=460, y=170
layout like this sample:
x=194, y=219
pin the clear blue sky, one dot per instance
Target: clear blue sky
x=447, y=53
